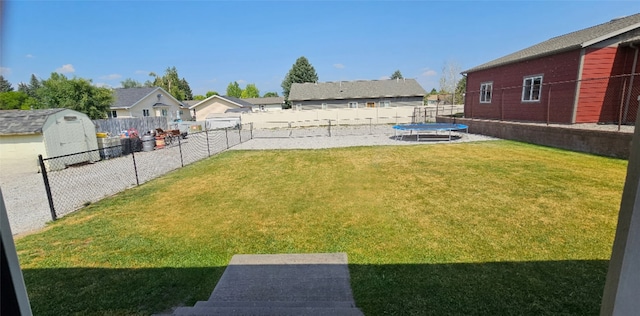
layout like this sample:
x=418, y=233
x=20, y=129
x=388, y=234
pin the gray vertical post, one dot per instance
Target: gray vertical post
x=226, y=134
x=622, y=288
x=251, y=130
x=180, y=148
x=206, y=132
x=47, y=188
x=135, y=167
x=329, y=128
x=240, y=133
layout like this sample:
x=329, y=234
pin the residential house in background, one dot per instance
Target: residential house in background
x=356, y=94
x=147, y=102
x=585, y=76
x=266, y=104
x=219, y=106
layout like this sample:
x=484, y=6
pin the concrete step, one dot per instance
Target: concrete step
x=266, y=311
x=273, y=304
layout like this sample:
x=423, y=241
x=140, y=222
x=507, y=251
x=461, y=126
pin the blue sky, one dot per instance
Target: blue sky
x=212, y=43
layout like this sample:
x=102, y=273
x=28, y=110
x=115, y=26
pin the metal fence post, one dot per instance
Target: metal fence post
x=206, y=132
x=226, y=134
x=329, y=128
x=135, y=167
x=240, y=133
x=251, y=130
x=47, y=188
x=180, y=148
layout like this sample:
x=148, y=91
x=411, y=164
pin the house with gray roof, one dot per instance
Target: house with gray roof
x=147, y=102
x=48, y=132
x=266, y=104
x=586, y=76
x=356, y=94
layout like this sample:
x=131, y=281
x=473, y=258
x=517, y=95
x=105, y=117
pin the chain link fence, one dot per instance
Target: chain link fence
x=607, y=100
x=76, y=180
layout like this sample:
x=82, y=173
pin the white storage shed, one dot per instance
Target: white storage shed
x=48, y=132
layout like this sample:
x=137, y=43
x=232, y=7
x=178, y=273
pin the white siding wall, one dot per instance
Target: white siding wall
x=147, y=104
x=19, y=153
x=67, y=136
x=214, y=106
x=341, y=116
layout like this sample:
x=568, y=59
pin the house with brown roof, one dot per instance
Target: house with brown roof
x=356, y=94
x=586, y=76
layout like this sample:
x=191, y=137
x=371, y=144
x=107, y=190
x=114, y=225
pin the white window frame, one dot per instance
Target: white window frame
x=164, y=112
x=385, y=104
x=529, y=89
x=145, y=112
x=486, y=92
x=324, y=106
x=352, y=105
x=113, y=114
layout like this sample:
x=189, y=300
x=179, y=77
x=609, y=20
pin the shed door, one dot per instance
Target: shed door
x=72, y=139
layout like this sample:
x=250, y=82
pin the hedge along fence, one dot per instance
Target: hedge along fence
x=115, y=126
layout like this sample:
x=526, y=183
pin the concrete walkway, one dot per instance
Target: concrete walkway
x=285, y=284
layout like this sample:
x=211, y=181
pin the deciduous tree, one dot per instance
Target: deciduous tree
x=16, y=100
x=449, y=78
x=77, y=94
x=171, y=82
x=210, y=93
x=130, y=83
x=250, y=91
x=270, y=94
x=234, y=90
x=300, y=72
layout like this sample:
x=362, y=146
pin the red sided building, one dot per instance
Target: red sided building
x=588, y=76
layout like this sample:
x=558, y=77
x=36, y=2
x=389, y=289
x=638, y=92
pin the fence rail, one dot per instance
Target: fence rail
x=70, y=184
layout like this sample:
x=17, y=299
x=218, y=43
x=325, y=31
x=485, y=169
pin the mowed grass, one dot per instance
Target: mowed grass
x=473, y=228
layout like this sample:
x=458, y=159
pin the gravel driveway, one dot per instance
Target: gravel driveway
x=26, y=200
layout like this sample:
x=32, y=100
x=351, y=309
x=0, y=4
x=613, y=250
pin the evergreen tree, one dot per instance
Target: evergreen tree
x=184, y=86
x=234, y=90
x=300, y=72
x=5, y=85
x=461, y=89
x=397, y=75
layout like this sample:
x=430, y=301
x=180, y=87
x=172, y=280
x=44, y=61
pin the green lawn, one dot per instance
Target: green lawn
x=487, y=228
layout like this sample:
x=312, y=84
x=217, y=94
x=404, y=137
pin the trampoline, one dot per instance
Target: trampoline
x=427, y=130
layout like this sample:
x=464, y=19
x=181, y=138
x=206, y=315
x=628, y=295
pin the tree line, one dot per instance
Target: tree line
x=81, y=95
x=57, y=91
